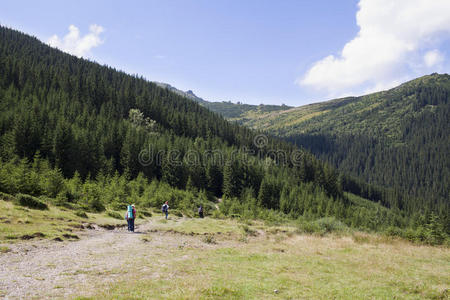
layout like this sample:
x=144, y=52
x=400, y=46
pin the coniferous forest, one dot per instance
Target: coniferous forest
x=87, y=136
x=397, y=139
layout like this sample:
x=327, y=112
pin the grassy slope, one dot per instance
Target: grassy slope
x=17, y=222
x=373, y=115
x=239, y=112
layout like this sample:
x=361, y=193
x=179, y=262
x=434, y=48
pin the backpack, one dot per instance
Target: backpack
x=164, y=208
x=130, y=212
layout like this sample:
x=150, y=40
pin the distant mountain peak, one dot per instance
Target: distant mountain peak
x=188, y=94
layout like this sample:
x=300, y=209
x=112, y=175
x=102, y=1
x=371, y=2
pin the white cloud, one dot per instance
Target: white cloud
x=387, y=47
x=433, y=58
x=76, y=44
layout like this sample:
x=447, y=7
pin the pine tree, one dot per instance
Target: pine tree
x=232, y=179
x=265, y=194
x=215, y=179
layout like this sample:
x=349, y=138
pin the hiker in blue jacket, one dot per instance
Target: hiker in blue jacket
x=130, y=216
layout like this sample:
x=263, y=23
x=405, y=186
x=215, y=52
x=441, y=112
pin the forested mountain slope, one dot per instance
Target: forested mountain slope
x=398, y=138
x=89, y=120
x=90, y=137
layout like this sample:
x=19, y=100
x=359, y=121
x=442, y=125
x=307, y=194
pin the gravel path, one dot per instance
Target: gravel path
x=49, y=269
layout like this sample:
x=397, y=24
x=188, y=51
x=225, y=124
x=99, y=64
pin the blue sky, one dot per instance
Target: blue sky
x=272, y=52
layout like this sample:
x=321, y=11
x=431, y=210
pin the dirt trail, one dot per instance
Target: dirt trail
x=45, y=269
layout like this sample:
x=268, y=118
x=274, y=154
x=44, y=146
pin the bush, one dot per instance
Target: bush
x=30, y=202
x=60, y=200
x=412, y=235
x=7, y=197
x=66, y=198
x=81, y=214
x=321, y=226
x=330, y=224
x=96, y=205
x=146, y=213
x=217, y=214
x=308, y=227
x=248, y=231
x=119, y=206
x=272, y=217
x=114, y=214
x=393, y=231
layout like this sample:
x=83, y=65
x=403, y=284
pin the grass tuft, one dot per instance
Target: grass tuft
x=30, y=202
x=146, y=238
x=81, y=214
x=4, y=249
x=209, y=239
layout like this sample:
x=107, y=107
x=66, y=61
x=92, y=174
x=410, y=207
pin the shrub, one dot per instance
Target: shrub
x=217, y=214
x=330, y=224
x=411, y=235
x=7, y=197
x=81, y=214
x=66, y=198
x=146, y=213
x=308, y=227
x=272, y=217
x=248, y=231
x=119, y=206
x=30, y=202
x=321, y=226
x=60, y=200
x=393, y=231
x=114, y=214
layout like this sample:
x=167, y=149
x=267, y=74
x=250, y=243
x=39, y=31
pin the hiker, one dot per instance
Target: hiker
x=200, y=211
x=130, y=216
x=165, y=208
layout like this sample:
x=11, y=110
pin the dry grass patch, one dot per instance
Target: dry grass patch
x=296, y=266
